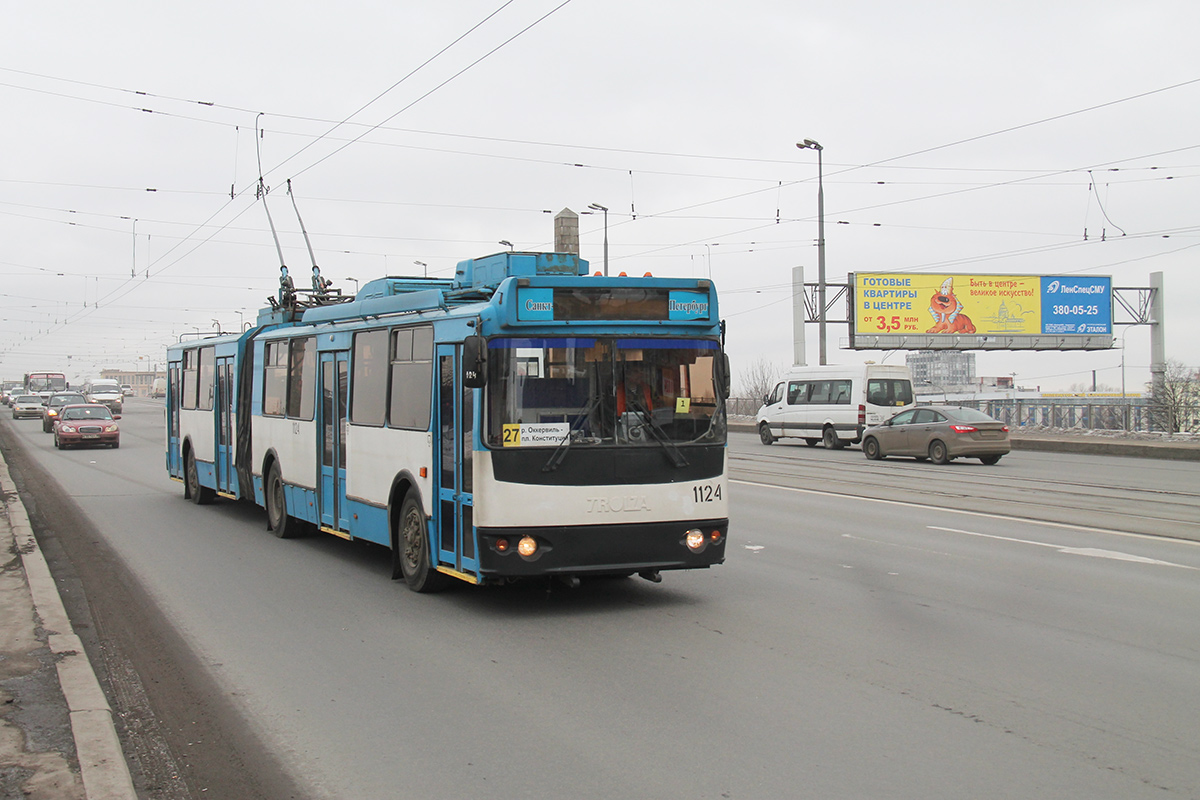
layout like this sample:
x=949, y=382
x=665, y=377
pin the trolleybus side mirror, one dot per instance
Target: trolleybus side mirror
x=474, y=362
x=723, y=377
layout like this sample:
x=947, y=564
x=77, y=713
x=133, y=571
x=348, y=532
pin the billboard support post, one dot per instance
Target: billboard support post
x=1158, y=338
x=798, y=356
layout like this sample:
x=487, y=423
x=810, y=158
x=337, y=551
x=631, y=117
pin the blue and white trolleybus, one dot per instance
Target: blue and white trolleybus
x=523, y=419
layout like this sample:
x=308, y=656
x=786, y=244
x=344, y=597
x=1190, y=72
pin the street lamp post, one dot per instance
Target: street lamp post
x=355, y=283
x=424, y=268
x=507, y=244
x=598, y=207
x=809, y=144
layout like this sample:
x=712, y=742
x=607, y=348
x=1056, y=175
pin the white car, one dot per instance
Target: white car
x=26, y=405
x=107, y=393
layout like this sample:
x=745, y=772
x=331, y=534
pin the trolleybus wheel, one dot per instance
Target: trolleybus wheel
x=764, y=433
x=200, y=495
x=938, y=453
x=412, y=549
x=278, y=520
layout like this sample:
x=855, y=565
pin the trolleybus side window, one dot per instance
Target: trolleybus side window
x=411, y=378
x=274, y=378
x=368, y=395
x=208, y=377
x=302, y=374
x=191, y=377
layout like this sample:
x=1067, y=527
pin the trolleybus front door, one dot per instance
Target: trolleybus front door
x=174, y=460
x=223, y=404
x=332, y=425
x=456, y=435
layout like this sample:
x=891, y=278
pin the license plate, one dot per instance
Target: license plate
x=91, y=436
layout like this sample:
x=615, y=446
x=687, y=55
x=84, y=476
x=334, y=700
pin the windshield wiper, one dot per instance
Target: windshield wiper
x=660, y=435
x=560, y=452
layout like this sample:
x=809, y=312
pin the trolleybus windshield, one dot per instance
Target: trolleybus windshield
x=602, y=391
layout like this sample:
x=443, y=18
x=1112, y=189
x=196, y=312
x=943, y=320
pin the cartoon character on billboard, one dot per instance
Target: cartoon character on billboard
x=947, y=311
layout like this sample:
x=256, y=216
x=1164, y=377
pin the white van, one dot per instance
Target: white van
x=105, y=392
x=833, y=404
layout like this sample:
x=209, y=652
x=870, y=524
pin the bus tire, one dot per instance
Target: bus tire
x=764, y=434
x=938, y=453
x=200, y=495
x=279, y=522
x=412, y=549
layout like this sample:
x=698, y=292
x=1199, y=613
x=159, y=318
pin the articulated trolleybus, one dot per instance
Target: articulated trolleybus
x=523, y=419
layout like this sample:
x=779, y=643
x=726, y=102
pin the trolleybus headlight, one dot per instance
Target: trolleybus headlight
x=694, y=539
x=502, y=545
x=527, y=546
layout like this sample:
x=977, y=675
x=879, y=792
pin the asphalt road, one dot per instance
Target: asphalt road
x=880, y=629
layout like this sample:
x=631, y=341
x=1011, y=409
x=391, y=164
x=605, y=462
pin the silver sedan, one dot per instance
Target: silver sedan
x=939, y=433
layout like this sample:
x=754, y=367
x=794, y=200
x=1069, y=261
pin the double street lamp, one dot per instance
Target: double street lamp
x=809, y=144
x=598, y=207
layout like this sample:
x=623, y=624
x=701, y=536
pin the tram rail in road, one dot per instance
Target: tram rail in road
x=1157, y=497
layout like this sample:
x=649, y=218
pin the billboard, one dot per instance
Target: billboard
x=1019, y=312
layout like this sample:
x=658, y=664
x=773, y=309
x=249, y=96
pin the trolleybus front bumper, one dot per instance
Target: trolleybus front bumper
x=601, y=549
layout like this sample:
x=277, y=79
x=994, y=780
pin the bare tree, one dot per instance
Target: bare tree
x=1175, y=403
x=757, y=379
x=1084, y=388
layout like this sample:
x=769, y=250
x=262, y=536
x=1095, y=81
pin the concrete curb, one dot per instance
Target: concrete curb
x=101, y=761
x=1130, y=448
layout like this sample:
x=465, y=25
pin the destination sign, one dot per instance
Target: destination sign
x=625, y=304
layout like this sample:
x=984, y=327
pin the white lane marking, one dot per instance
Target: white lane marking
x=754, y=547
x=898, y=544
x=942, y=509
x=1092, y=552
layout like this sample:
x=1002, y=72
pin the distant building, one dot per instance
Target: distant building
x=141, y=381
x=941, y=370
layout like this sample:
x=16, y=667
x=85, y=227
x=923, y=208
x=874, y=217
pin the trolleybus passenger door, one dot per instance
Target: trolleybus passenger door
x=174, y=460
x=332, y=425
x=456, y=435
x=223, y=405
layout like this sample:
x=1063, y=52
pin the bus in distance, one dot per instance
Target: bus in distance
x=45, y=384
x=521, y=420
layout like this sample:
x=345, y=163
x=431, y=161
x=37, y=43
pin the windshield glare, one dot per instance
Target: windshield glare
x=89, y=412
x=602, y=391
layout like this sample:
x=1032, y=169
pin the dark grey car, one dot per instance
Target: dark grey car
x=939, y=433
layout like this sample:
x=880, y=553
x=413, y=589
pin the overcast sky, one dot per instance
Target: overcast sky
x=1022, y=138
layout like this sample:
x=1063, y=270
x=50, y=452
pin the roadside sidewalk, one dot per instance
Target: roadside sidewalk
x=57, y=738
